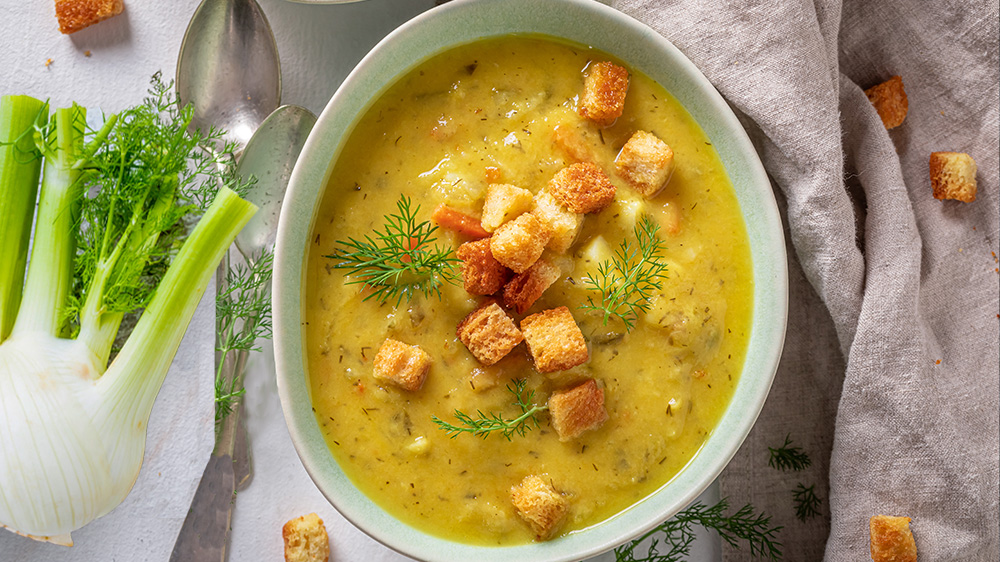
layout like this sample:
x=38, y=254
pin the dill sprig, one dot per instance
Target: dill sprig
x=399, y=261
x=485, y=425
x=806, y=501
x=787, y=457
x=627, y=281
x=671, y=541
x=242, y=316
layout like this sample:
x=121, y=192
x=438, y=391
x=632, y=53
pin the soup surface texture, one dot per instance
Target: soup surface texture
x=506, y=111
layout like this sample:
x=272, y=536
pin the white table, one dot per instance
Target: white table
x=107, y=67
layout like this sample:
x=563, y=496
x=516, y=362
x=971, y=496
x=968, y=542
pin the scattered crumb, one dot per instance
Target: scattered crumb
x=938, y=362
x=48, y=62
x=86, y=53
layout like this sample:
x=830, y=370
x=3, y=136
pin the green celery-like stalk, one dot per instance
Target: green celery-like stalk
x=20, y=167
x=50, y=271
x=134, y=377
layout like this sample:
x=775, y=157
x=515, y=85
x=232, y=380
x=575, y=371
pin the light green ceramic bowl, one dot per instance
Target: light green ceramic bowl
x=581, y=21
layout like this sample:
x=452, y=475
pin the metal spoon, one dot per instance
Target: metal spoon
x=228, y=68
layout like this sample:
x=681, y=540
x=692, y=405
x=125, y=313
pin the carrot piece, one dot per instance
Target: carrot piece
x=458, y=221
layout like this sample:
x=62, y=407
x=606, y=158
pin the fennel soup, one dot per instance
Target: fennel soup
x=634, y=317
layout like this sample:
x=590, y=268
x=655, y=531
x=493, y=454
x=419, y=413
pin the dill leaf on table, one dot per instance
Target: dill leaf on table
x=806, y=501
x=399, y=261
x=671, y=541
x=788, y=457
x=484, y=424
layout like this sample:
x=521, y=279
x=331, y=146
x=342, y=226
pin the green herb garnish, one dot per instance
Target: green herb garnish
x=671, y=541
x=787, y=457
x=400, y=261
x=806, y=502
x=627, y=281
x=242, y=316
x=484, y=425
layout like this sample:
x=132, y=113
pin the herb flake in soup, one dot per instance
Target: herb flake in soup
x=506, y=111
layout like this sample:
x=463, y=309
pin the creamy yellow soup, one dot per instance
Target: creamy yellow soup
x=506, y=110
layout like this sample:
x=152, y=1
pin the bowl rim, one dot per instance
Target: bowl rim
x=400, y=51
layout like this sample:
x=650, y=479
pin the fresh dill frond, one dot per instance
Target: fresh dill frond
x=399, y=261
x=485, y=425
x=671, y=541
x=806, y=502
x=627, y=282
x=242, y=316
x=788, y=457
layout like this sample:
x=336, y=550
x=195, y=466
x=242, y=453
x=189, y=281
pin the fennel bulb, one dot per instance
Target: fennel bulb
x=109, y=220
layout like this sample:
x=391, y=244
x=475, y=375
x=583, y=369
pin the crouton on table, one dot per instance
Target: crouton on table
x=577, y=410
x=482, y=274
x=646, y=163
x=74, y=15
x=564, y=224
x=489, y=333
x=306, y=539
x=519, y=243
x=582, y=188
x=538, y=503
x=891, y=539
x=889, y=99
x=525, y=288
x=403, y=365
x=953, y=176
x=554, y=340
x=604, y=90
x=504, y=202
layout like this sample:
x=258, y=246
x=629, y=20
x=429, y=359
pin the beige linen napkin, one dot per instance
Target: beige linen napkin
x=889, y=378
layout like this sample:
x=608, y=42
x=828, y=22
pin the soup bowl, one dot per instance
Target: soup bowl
x=578, y=21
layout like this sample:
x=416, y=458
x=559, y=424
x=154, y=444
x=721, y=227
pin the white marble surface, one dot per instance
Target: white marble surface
x=107, y=67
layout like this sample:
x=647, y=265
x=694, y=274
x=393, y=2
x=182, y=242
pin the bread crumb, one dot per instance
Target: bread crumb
x=891, y=539
x=74, y=15
x=406, y=366
x=540, y=505
x=482, y=274
x=604, y=89
x=565, y=224
x=953, y=176
x=519, y=243
x=889, y=99
x=582, y=188
x=525, y=288
x=646, y=163
x=577, y=410
x=489, y=333
x=48, y=62
x=503, y=203
x=554, y=340
x=306, y=539
x=86, y=54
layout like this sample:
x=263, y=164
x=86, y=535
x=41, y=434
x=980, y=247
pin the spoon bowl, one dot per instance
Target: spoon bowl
x=229, y=69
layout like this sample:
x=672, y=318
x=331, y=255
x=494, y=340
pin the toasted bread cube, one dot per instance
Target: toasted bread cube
x=504, y=202
x=953, y=176
x=577, y=410
x=554, y=340
x=646, y=163
x=74, y=15
x=525, y=288
x=489, y=333
x=891, y=539
x=306, y=539
x=604, y=90
x=403, y=365
x=482, y=274
x=582, y=188
x=519, y=243
x=565, y=224
x=889, y=99
x=538, y=503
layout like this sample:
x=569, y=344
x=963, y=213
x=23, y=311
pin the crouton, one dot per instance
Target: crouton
x=403, y=365
x=306, y=539
x=565, y=224
x=482, y=274
x=540, y=505
x=577, y=410
x=504, y=202
x=74, y=15
x=524, y=289
x=489, y=333
x=604, y=90
x=554, y=340
x=582, y=188
x=646, y=163
x=953, y=176
x=891, y=539
x=519, y=243
x=889, y=99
